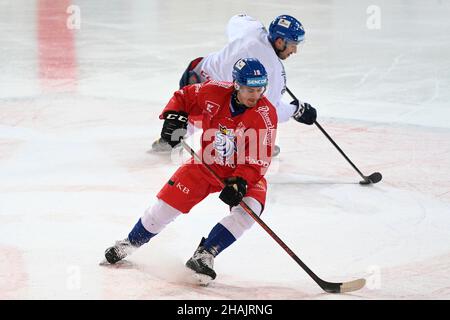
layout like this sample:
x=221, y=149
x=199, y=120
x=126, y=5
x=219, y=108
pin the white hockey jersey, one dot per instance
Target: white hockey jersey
x=248, y=39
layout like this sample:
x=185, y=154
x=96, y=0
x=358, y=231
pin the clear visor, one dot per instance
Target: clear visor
x=290, y=42
x=297, y=44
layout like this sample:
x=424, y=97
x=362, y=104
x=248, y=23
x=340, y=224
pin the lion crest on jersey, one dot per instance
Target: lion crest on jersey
x=224, y=142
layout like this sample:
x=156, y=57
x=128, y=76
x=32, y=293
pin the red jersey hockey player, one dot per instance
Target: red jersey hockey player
x=239, y=125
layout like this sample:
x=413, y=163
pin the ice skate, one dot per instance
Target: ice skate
x=202, y=263
x=119, y=251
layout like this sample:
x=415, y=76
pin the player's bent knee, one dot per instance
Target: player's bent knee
x=158, y=216
x=239, y=221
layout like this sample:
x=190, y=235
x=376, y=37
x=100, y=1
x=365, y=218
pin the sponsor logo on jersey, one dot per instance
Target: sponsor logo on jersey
x=222, y=84
x=260, y=185
x=258, y=162
x=225, y=163
x=224, y=142
x=264, y=113
x=212, y=108
x=182, y=188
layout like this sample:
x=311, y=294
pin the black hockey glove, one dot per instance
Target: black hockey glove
x=234, y=190
x=174, y=127
x=305, y=113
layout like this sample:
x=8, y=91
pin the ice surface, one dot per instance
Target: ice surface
x=78, y=112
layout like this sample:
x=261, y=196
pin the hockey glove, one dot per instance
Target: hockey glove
x=174, y=127
x=305, y=113
x=234, y=190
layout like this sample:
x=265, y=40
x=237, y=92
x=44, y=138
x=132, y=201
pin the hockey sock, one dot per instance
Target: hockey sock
x=218, y=239
x=139, y=235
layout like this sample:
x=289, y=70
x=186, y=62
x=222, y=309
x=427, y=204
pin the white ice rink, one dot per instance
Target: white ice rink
x=78, y=112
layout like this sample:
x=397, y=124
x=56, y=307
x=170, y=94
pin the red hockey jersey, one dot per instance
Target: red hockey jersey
x=239, y=145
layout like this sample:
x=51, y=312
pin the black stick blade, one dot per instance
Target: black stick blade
x=373, y=178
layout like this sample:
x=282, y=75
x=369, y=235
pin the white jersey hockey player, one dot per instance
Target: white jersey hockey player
x=248, y=37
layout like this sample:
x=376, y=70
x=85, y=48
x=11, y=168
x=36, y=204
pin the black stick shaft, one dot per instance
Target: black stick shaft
x=331, y=140
x=339, y=149
x=323, y=284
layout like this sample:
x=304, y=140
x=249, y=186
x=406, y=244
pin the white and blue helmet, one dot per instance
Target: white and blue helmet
x=249, y=72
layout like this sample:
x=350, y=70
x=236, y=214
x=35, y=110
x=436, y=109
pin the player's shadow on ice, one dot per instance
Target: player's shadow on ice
x=180, y=277
x=255, y=291
x=177, y=278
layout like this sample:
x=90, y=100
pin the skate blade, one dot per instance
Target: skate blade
x=202, y=279
x=122, y=264
x=104, y=262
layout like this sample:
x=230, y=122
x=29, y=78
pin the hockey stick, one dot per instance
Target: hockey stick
x=330, y=287
x=373, y=178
